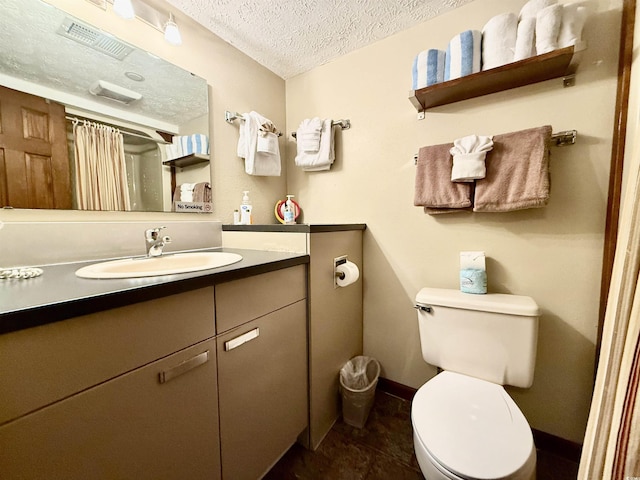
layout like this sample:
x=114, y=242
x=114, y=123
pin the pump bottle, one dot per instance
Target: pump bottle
x=289, y=211
x=246, y=209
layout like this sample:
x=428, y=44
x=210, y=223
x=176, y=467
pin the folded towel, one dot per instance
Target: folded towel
x=469, y=157
x=428, y=68
x=548, y=21
x=308, y=135
x=525, y=39
x=499, y=40
x=434, y=189
x=186, y=192
x=325, y=156
x=202, y=192
x=574, y=17
x=255, y=162
x=517, y=172
x=464, y=55
x=532, y=7
x=267, y=143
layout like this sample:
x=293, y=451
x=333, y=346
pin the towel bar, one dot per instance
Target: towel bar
x=560, y=139
x=231, y=117
x=343, y=124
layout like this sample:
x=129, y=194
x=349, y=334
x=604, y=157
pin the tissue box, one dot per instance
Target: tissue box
x=473, y=273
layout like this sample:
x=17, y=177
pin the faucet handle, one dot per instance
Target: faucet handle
x=166, y=239
x=151, y=234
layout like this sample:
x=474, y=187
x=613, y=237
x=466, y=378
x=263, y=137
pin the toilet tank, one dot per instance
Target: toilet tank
x=492, y=337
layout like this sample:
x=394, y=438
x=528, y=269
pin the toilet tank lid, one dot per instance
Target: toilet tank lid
x=490, y=302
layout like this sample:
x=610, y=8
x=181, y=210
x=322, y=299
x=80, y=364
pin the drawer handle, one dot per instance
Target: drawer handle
x=184, y=367
x=242, y=339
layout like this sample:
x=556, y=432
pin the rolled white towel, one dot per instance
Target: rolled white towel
x=428, y=68
x=532, y=7
x=464, y=55
x=499, y=40
x=548, y=21
x=525, y=39
x=574, y=17
x=469, y=157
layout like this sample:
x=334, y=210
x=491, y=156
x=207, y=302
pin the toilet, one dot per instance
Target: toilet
x=465, y=425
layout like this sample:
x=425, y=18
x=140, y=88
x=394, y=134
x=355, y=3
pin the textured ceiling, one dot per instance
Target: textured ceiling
x=292, y=36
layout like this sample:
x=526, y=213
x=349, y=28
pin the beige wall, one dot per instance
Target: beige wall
x=552, y=254
x=236, y=83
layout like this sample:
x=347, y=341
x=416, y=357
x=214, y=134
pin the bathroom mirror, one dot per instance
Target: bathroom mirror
x=49, y=54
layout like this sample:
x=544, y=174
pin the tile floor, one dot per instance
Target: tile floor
x=382, y=450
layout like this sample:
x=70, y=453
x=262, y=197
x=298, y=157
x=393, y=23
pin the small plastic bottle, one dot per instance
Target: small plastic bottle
x=246, y=209
x=236, y=217
x=289, y=211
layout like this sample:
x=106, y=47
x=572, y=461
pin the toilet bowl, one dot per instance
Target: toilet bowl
x=467, y=429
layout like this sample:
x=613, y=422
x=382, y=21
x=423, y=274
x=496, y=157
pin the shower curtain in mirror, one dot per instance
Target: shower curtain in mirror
x=611, y=447
x=101, y=178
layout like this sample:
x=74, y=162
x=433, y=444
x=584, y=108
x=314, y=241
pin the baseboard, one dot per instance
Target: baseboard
x=544, y=441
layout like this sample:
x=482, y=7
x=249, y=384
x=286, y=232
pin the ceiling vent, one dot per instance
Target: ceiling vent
x=94, y=38
x=114, y=92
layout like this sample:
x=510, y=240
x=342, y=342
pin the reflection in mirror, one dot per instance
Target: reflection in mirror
x=57, y=71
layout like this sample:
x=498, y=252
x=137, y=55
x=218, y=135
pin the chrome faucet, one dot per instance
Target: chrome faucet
x=155, y=242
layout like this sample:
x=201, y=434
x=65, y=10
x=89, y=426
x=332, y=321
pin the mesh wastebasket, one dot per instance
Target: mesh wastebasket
x=358, y=380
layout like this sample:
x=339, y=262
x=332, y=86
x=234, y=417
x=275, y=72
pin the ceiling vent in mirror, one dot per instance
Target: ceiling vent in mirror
x=114, y=92
x=94, y=38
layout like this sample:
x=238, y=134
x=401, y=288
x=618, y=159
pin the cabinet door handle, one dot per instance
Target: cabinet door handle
x=184, y=367
x=242, y=339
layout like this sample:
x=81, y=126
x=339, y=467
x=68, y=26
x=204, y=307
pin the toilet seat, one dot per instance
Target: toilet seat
x=471, y=428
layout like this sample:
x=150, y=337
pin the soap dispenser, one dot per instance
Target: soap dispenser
x=246, y=209
x=289, y=211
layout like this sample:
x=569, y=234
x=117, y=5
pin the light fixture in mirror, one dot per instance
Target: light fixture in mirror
x=49, y=54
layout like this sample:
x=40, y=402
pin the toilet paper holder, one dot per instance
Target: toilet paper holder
x=338, y=275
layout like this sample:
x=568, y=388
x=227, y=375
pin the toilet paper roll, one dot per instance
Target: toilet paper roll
x=349, y=273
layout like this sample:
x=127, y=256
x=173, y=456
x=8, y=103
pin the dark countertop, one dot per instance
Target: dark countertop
x=58, y=294
x=297, y=227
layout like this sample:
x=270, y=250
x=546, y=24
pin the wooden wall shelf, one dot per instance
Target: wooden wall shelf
x=187, y=160
x=558, y=63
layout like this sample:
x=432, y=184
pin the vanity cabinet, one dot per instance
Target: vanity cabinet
x=156, y=422
x=262, y=369
x=128, y=393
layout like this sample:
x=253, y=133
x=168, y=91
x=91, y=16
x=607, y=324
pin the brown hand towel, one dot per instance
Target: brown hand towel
x=517, y=172
x=202, y=192
x=434, y=189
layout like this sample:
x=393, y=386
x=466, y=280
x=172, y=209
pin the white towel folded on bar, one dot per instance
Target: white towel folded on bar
x=308, y=134
x=324, y=157
x=499, y=40
x=469, y=157
x=255, y=162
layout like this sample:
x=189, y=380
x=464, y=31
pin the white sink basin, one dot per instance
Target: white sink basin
x=163, y=265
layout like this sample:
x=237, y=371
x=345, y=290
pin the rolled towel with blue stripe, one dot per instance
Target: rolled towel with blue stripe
x=428, y=68
x=464, y=55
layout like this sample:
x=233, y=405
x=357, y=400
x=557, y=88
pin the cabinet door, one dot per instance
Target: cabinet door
x=262, y=381
x=156, y=422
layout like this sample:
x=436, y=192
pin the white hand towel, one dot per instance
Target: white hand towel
x=267, y=143
x=532, y=7
x=324, y=157
x=186, y=192
x=468, y=157
x=499, y=40
x=574, y=17
x=258, y=163
x=308, y=134
x=525, y=39
x=548, y=21
x=464, y=55
x=428, y=68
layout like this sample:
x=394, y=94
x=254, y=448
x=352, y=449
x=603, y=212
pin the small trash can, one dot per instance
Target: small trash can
x=358, y=380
